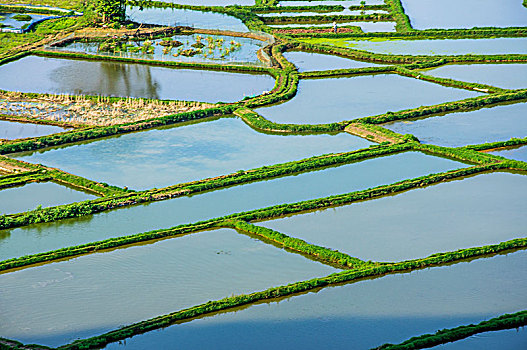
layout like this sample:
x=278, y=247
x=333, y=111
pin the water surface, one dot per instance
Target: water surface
x=425, y=14
x=465, y=128
x=171, y=155
x=245, y=53
x=30, y=196
x=344, y=3
x=164, y=214
x=10, y=130
x=493, y=46
x=212, y=2
x=366, y=314
x=8, y=22
x=519, y=153
x=330, y=100
x=509, y=339
x=366, y=27
x=506, y=76
x=481, y=210
x=66, y=76
x=57, y=303
x=346, y=11
x=187, y=18
x=309, y=61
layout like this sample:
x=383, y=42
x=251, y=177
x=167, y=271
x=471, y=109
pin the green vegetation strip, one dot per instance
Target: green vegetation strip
x=500, y=144
x=23, y=178
x=321, y=253
x=84, y=208
x=403, y=22
x=507, y=321
x=295, y=288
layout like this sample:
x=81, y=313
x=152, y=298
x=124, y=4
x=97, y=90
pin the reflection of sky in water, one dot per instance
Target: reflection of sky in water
x=247, y=52
x=62, y=301
x=28, y=197
x=365, y=26
x=519, y=153
x=425, y=14
x=507, y=76
x=190, y=18
x=337, y=99
x=365, y=314
x=492, y=46
x=10, y=23
x=52, y=75
x=418, y=223
x=309, y=61
x=498, y=123
x=12, y=130
x=163, y=157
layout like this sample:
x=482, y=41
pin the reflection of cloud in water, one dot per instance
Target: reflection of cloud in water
x=106, y=78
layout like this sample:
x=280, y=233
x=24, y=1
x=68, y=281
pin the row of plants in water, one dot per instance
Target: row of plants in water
x=443, y=336
x=7, y=181
x=293, y=289
x=327, y=18
x=90, y=207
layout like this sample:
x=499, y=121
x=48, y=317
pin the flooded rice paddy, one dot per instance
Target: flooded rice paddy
x=164, y=214
x=171, y=155
x=329, y=100
x=8, y=20
x=10, y=130
x=366, y=314
x=366, y=27
x=186, y=18
x=309, y=61
x=59, y=302
x=346, y=12
x=30, y=196
x=418, y=223
x=491, y=46
x=217, y=49
x=506, y=76
x=66, y=76
x=498, y=123
x=344, y=3
x=426, y=14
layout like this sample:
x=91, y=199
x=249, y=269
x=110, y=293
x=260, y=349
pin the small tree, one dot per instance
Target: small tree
x=115, y=10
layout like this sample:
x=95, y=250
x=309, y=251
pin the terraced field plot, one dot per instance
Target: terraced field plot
x=233, y=172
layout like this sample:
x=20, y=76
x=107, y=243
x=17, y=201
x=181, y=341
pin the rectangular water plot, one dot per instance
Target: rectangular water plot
x=217, y=49
x=309, y=61
x=506, y=76
x=164, y=214
x=519, y=153
x=187, y=18
x=344, y=3
x=171, y=155
x=366, y=27
x=366, y=314
x=493, y=46
x=78, y=77
x=212, y=2
x=10, y=130
x=465, y=128
x=346, y=11
x=320, y=101
x=59, y=302
x=481, y=210
x=426, y=14
x=44, y=194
